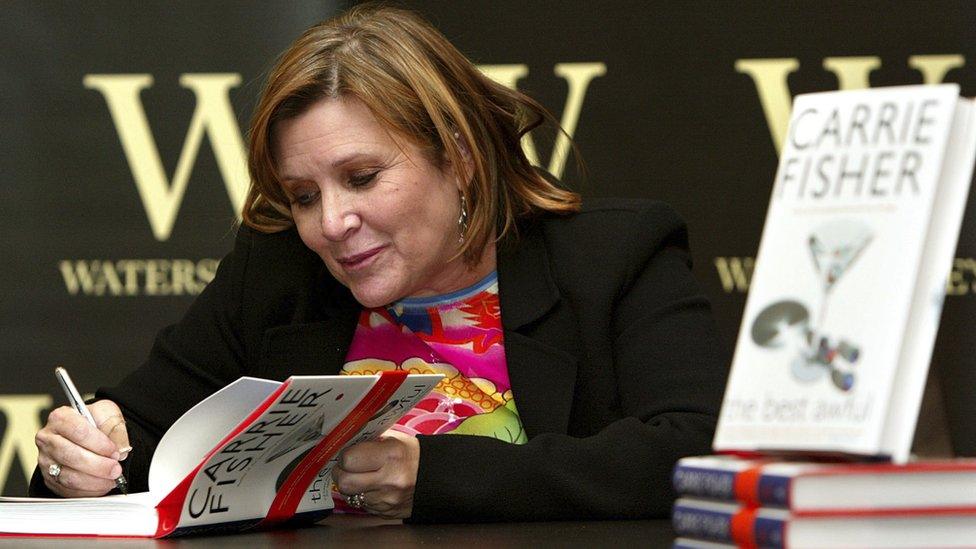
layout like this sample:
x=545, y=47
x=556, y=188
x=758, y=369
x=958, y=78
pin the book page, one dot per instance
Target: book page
x=198, y=430
x=131, y=515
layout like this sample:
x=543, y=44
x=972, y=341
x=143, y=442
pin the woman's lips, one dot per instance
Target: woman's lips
x=361, y=260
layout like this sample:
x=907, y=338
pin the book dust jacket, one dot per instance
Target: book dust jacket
x=831, y=297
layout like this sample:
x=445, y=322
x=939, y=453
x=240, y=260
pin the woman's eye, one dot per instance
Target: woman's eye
x=363, y=179
x=305, y=198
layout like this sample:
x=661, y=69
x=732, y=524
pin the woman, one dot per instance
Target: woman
x=393, y=216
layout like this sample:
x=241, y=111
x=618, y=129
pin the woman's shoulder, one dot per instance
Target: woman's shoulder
x=610, y=242
x=278, y=247
x=273, y=260
x=626, y=225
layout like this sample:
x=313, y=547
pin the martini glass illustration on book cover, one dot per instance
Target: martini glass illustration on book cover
x=834, y=248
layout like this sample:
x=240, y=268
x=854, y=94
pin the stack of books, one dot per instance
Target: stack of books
x=837, y=334
x=727, y=501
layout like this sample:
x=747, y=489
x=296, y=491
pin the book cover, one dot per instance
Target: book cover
x=849, y=281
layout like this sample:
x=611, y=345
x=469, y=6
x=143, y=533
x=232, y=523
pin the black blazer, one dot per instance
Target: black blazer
x=614, y=362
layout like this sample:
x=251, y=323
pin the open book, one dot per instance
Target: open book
x=254, y=453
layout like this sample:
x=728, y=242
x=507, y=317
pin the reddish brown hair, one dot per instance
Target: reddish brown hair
x=420, y=87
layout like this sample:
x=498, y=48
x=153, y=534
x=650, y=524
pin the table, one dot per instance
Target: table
x=353, y=531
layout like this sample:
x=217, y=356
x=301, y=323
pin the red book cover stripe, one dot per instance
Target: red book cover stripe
x=746, y=485
x=291, y=492
x=743, y=528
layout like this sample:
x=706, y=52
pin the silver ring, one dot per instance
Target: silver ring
x=357, y=501
x=54, y=470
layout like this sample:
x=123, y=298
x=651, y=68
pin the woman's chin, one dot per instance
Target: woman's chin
x=373, y=297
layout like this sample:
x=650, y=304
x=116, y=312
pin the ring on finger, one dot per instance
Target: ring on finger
x=357, y=501
x=54, y=470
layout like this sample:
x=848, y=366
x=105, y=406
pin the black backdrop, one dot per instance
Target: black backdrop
x=679, y=103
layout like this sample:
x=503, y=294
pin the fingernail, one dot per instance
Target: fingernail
x=116, y=471
x=115, y=456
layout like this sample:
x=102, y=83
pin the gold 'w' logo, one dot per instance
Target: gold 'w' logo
x=852, y=73
x=23, y=416
x=734, y=272
x=214, y=117
x=770, y=77
x=578, y=77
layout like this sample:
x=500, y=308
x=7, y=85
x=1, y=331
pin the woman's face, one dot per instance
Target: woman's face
x=379, y=214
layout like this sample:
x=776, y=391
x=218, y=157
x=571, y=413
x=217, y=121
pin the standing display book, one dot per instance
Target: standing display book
x=255, y=453
x=847, y=292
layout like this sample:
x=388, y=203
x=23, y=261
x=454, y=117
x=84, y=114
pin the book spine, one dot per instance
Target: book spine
x=764, y=490
x=749, y=486
x=741, y=526
x=704, y=482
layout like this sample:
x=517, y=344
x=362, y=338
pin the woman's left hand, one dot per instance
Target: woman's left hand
x=384, y=471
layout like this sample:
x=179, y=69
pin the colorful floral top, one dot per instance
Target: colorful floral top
x=458, y=335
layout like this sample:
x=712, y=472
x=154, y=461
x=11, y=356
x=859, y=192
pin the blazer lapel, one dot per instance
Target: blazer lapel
x=318, y=347
x=543, y=381
x=543, y=376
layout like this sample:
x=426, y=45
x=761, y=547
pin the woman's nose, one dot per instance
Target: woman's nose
x=340, y=216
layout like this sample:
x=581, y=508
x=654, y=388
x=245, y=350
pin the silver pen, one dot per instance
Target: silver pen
x=74, y=397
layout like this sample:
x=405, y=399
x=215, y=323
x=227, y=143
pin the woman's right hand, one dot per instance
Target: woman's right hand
x=88, y=456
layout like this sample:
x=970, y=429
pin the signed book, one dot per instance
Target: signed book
x=255, y=453
x=847, y=293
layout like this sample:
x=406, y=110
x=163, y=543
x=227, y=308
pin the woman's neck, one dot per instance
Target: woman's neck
x=463, y=275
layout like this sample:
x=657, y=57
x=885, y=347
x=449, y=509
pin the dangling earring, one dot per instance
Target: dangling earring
x=463, y=219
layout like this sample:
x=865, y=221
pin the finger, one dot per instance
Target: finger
x=81, y=483
x=114, y=427
x=66, y=453
x=376, y=503
x=57, y=449
x=362, y=457
x=63, y=491
x=355, y=483
x=388, y=504
x=68, y=423
x=393, y=433
x=110, y=421
x=73, y=483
